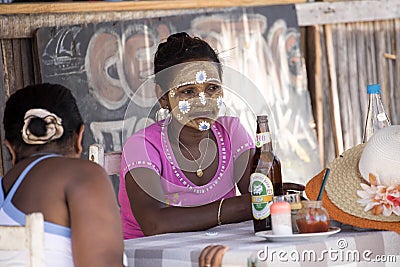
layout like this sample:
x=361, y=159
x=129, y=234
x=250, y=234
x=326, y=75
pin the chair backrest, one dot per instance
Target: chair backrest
x=110, y=161
x=29, y=238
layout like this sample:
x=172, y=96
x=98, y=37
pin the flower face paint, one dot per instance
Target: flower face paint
x=202, y=97
x=201, y=76
x=220, y=102
x=196, y=105
x=204, y=126
x=184, y=106
x=196, y=95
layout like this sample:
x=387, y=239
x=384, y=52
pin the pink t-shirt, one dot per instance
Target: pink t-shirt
x=150, y=148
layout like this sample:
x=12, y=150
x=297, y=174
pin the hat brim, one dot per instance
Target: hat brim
x=342, y=185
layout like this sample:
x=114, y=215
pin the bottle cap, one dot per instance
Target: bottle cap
x=373, y=89
x=280, y=207
x=262, y=118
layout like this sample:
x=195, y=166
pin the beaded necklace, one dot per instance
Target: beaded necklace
x=199, y=171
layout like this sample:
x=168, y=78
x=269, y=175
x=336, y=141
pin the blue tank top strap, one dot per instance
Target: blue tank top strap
x=1, y=192
x=24, y=172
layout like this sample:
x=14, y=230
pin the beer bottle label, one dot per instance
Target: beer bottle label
x=263, y=138
x=261, y=195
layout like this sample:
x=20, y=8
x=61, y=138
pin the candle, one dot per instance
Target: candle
x=281, y=218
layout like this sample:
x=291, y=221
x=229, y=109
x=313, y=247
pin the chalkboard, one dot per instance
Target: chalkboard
x=105, y=63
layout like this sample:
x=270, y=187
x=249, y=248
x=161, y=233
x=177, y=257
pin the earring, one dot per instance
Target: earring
x=163, y=114
x=223, y=110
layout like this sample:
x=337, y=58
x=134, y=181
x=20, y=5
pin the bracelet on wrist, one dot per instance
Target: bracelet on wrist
x=219, y=212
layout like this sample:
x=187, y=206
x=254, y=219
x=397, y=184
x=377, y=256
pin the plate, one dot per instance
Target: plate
x=298, y=237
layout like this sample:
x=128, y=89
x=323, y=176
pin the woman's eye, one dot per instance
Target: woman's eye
x=188, y=91
x=213, y=88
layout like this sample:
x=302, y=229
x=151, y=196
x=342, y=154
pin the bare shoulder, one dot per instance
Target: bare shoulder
x=84, y=166
x=84, y=173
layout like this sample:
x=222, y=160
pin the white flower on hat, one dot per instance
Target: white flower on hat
x=380, y=199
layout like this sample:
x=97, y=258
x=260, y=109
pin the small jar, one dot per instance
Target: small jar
x=281, y=219
x=312, y=217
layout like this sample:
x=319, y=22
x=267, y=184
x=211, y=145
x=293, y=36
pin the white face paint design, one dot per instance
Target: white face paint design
x=184, y=106
x=204, y=126
x=202, y=97
x=198, y=111
x=201, y=76
x=193, y=95
x=220, y=102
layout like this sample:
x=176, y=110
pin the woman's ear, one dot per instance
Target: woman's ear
x=162, y=97
x=11, y=150
x=159, y=91
x=78, y=144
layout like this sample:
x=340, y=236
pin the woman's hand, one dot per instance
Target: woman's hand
x=211, y=256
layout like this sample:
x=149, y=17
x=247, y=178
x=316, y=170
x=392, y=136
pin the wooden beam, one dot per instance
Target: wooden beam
x=20, y=20
x=74, y=7
x=347, y=11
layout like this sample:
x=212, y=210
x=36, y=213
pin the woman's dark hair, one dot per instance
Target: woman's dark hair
x=54, y=98
x=180, y=48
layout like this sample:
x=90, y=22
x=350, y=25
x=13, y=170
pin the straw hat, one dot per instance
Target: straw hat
x=363, y=188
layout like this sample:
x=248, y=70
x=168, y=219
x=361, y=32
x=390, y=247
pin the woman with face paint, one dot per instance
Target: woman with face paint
x=179, y=174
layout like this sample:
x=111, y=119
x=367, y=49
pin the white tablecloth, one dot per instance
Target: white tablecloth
x=347, y=248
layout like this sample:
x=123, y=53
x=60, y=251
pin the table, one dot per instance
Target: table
x=346, y=248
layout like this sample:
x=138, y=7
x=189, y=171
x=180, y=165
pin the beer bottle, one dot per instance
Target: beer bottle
x=266, y=179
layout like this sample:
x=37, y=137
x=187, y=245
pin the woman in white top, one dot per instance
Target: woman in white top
x=43, y=132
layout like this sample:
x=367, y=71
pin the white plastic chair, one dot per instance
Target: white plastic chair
x=29, y=238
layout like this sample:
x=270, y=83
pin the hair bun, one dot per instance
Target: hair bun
x=52, y=123
x=176, y=36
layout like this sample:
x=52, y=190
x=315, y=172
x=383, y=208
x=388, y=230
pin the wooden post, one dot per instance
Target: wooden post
x=362, y=70
x=343, y=90
x=335, y=107
x=354, y=88
x=396, y=89
x=318, y=91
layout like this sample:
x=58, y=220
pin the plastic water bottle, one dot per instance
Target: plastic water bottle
x=376, y=116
